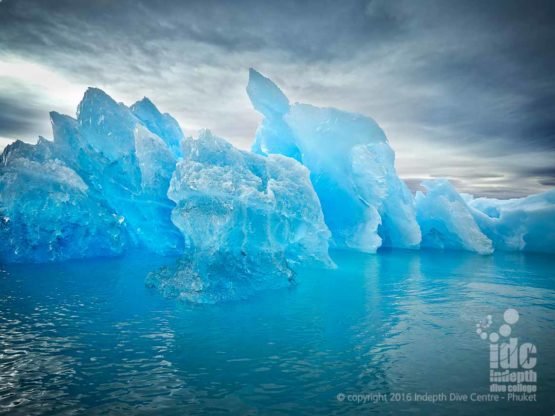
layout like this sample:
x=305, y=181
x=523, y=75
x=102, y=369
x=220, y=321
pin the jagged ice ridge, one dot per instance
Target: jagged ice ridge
x=117, y=178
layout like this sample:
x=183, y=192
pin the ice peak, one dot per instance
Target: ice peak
x=13, y=149
x=145, y=105
x=96, y=95
x=95, y=102
x=205, y=134
x=206, y=140
x=266, y=97
x=164, y=125
x=56, y=118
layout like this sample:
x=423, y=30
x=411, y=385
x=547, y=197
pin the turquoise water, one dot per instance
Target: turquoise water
x=89, y=337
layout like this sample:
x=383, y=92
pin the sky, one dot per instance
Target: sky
x=463, y=89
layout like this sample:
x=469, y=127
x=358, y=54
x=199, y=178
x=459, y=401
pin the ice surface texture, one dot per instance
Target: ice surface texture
x=47, y=211
x=247, y=221
x=351, y=166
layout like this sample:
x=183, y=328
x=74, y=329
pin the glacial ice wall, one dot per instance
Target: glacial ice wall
x=351, y=166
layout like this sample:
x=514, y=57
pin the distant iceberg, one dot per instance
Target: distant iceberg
x=523, y=224
x=446, y=220
x=452, y=221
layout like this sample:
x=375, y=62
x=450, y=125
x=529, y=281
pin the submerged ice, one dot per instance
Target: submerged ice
x=117, y=178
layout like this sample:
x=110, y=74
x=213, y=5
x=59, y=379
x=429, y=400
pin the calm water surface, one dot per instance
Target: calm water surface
x=89, y=337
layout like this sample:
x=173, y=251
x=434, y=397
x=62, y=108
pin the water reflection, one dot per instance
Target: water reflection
x=89, y=336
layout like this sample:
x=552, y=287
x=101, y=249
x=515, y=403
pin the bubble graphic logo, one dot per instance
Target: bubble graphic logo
x=511, y=362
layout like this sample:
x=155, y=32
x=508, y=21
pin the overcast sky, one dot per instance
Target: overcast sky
x=463, y=89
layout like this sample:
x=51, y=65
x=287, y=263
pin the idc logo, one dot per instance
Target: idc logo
x=511, y=361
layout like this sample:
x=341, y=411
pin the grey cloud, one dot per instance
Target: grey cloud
x=16, y=119
x=548, y=182
x=22, y=114
x=471, y=175
x=414, y=184
x=545, y=175
x=474, y=78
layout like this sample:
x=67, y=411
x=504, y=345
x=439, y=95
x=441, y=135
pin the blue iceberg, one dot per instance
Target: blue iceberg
x=99, y=189
x=163, y=125
x=352, y=168
x=450, y=220
x=128, y=164
x=522, y=224
x=247, y=221
x=446, y=220
x=49, y=213
x=116, y=178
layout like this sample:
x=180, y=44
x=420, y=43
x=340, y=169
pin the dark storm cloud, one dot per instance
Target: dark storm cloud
x=459, y=87
x=316, y=30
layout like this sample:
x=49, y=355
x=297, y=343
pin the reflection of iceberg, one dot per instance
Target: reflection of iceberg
x=351, y=166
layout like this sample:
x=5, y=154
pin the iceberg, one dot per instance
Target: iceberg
x=367, y=206
x=446, y=220
x=129, y=165
x=523, y=224
x=116, y=178
x=98, y=189
x=247, y=220
x=352, y=168
x=47, y=211
x=162, y=125
x=450, y=220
